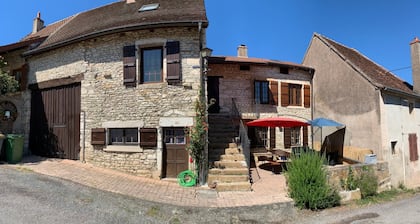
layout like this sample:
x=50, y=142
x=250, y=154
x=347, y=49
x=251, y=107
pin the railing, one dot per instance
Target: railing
x=242, y=140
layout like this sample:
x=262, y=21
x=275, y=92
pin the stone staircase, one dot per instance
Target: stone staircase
x=221, y=133
x=231, y=172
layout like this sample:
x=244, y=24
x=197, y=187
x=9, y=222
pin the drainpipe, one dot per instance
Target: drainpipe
x=84, y=137
x=403, y=156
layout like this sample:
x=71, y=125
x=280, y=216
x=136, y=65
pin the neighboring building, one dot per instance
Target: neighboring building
x=259, y=88
x=380, y=111
x=114, y=86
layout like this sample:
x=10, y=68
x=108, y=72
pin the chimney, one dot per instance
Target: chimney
x=242, y=51
x=130, y=1
x=38, y=23
x=415, y=63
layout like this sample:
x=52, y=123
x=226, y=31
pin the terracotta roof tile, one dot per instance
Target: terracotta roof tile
x=378, y=75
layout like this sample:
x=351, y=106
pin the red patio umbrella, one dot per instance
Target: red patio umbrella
x=277, y=122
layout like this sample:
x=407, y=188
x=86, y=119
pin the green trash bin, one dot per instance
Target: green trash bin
x=14, y=148
x=2, y=137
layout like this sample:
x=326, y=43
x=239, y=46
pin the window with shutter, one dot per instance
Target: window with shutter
x=123, y=136
x=129, y=62
x=173, y=62
x=284, y=94
x=307, y=96
x=295, y=94
x=98, y=136
x=261, y=92
x=287, y=134
x=412, y=140
x=148, y=137
x=151, y=65
x=274, y=92
x=272, y=137
x=305, y=135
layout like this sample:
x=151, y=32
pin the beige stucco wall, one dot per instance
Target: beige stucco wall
x=341, y=94
x=105, y=101
x=398, y=123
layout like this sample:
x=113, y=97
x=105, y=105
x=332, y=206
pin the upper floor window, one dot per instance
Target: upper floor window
x=261, y=92
x=152, y=67
x=295, y=96
x=151, y=61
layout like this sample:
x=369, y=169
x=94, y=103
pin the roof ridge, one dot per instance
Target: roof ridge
x=65, y=22
x=373, y=72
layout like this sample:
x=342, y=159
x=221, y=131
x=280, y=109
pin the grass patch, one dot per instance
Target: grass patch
x=24, y=169
x=153, y=211
x=389, y=195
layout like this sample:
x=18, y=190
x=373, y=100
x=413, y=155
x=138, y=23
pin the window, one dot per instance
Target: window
x=393, y=144
x=123, y=136
x=295, y=96
x=151, y=61
x=175, y=136
x=149, y=7
x=150, y=56
x=284, y=70
x=295, y=136
x=261, y=92
x=20, y=75
x=244, y=67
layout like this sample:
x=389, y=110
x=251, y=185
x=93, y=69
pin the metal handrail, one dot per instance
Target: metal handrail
x=243, y=139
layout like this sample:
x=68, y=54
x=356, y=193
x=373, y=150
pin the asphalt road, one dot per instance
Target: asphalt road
x=405, y=211
x=28, y=197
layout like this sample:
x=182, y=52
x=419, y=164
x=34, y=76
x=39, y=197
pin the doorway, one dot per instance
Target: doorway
x=175, y=155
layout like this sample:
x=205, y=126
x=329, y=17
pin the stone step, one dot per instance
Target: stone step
x=218, y=178
x=229, y=164
x=237, y=186
x=232, y=151
x=230, y=171
x=234, y=157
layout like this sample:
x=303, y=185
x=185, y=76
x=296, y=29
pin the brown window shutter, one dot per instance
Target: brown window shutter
x=307, y=96
x=412, y=140
x=129, y=61
x=284, y=94
x=24, y=79
x=272, y=137
x=287, y=137
x=173, y=62
x=98, y=136
x=148, y=137
x=274, y=93
x=305, y=135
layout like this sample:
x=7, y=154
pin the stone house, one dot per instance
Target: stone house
x=114, y=86
x=252, y=88
x=380, y=111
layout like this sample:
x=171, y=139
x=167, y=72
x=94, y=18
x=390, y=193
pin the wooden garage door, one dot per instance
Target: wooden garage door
x=55, y=122
x=175, y=155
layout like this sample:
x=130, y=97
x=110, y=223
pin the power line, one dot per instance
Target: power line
x=398, y=69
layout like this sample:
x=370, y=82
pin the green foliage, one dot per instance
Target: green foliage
x=7, y=83
x=307, y=182
x=367, y=182
x=350, y=182
x=198, y=136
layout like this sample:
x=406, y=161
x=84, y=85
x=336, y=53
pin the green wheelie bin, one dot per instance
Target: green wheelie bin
x=14, y=148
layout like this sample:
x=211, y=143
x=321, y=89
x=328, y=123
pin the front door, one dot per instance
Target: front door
x=213, y=94
x=175, y=155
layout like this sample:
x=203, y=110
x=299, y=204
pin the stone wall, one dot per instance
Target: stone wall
x=106, y=101
x=340, y=172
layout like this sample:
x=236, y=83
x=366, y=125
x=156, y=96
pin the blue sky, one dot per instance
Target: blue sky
x=272, y=29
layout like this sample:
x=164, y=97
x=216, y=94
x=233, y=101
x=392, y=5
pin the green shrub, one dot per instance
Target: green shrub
x=349, y=183
x=307, y=182
x=367, y=182
x=8, y=84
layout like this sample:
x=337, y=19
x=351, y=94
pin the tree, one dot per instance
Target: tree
x=7, y=82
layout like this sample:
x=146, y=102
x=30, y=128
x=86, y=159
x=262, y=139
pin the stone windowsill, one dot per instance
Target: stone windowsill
x=123, y=148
